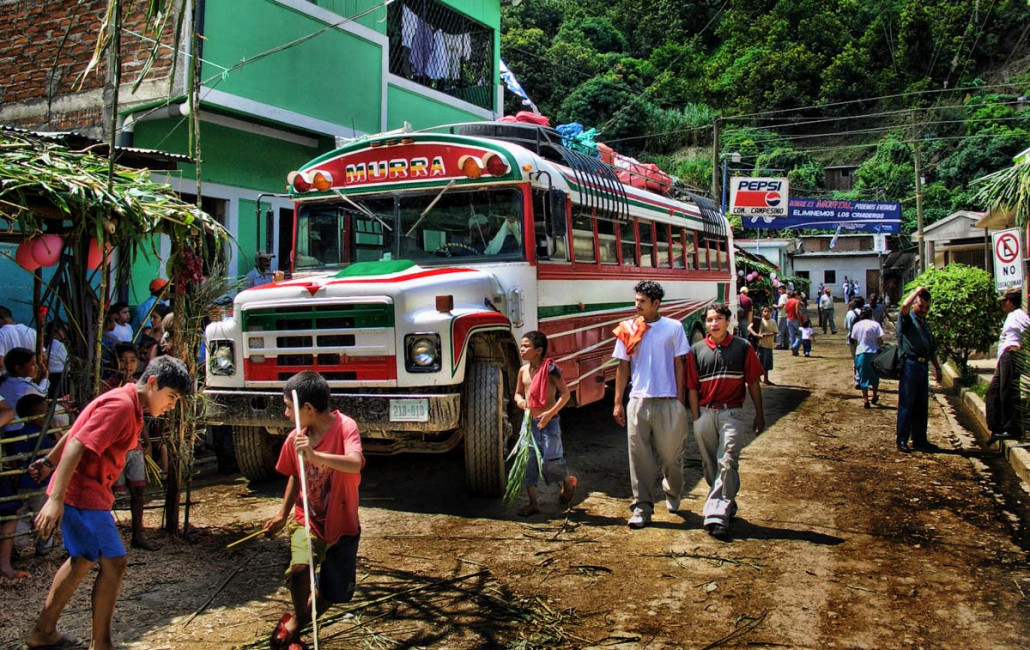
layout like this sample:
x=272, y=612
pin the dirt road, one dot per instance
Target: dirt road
x=840, y=542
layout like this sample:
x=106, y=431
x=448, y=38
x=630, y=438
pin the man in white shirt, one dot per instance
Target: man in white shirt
x=781, y=318
x=1003, y=409
x=14, y=335
x=826, y=316
x=651, y=349
x=508, y=238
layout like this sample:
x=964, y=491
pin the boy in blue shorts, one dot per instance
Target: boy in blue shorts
x=539, y=381
x=85, y=464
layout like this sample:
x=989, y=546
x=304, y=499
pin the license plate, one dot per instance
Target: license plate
x=409, y=410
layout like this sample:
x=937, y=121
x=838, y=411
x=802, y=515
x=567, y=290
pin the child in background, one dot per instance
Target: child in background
x=57, y=356
x=331, y=445
x=8, y=488
x=32, y=405
x=765, y=330
x=538, y=382
x=807, y=334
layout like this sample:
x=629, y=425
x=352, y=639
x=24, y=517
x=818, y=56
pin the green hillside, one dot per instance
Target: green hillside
x=794, y=85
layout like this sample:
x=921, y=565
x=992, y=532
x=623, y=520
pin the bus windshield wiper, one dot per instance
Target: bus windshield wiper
x=365, y=211
x=428, y=208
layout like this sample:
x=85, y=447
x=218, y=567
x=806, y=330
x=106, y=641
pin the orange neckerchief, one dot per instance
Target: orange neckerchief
x=630, y=332
x=537, y=395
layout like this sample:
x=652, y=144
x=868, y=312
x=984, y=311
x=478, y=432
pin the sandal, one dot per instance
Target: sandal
x=282, y=639
x=566, y=499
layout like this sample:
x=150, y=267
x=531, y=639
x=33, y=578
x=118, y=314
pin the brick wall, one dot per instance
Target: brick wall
x=51, y=44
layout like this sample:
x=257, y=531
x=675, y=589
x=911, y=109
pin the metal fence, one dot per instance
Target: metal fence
x=439, y=48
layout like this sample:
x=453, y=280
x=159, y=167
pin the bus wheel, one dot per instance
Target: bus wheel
x=485, y=427
x=255, y=452
x=696, y=334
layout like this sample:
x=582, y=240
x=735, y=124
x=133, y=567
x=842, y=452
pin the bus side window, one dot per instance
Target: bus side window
x=691, y=249
x=724, y=255
x=607, y=239
x=646, y=243
x=678, y=255
x=702, y=253
x=548, y=247
x=664, y=247
x=583, y=239
x=628, y=242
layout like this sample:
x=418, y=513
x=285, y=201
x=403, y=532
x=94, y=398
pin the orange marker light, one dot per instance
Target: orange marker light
x=471, y=168
x=323, y=181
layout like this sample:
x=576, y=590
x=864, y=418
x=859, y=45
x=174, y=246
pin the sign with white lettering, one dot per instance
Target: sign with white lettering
x=1008, y=259
x=759, y=197
x=831, y=214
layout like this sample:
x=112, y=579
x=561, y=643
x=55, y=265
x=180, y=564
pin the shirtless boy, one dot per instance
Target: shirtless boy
x=542, y=390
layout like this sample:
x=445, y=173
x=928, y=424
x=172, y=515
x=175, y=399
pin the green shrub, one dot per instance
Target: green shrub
x=964, y=314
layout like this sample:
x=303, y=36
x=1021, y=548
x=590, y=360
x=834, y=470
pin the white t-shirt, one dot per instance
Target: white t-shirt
x=652, y=366
x=123, y=333
x=16, y=335
x=825, y=302
x=1012, y=330
x=782, y=300
x=58, y=356
x=866, y=334
x=806, y=333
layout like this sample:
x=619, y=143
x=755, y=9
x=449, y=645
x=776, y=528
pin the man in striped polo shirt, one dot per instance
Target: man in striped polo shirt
x=719, y=371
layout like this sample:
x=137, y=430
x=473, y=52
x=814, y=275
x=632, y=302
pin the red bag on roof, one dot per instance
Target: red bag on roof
x=532, y=118
x=643, y=176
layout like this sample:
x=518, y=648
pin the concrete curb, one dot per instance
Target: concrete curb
x=973, y=405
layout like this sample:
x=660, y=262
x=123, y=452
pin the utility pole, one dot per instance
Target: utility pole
x=919, y=196
x=715, y=158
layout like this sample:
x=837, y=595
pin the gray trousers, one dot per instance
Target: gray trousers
x=719, y=435
x=656, y=430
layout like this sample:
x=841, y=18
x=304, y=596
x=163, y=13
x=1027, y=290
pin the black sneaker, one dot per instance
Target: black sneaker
x=904, y=448
x=718, y=531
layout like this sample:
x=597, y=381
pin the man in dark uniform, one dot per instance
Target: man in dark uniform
x=918, y=349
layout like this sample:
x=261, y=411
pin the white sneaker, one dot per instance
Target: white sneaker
x=672, y=504
x=639, y=519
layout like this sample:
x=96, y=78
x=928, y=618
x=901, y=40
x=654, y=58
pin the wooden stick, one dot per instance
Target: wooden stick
x=307, y=525
x=246, y=539
x=207, y=603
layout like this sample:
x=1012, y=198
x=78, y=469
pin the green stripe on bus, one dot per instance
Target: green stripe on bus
x=317, y=317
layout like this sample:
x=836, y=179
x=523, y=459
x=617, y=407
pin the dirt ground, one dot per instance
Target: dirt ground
x=840, y=542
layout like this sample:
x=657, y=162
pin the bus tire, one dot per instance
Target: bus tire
x=255, y=452
x=696, y=335
x=486, y=418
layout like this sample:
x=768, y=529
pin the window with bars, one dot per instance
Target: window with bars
x=437, y=47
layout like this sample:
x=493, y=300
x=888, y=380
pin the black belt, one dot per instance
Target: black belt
x=919, y=359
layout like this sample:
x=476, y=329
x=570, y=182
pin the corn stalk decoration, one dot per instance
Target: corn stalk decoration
x=524, y=446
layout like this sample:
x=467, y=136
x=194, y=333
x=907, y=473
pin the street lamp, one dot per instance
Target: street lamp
x=735, y=157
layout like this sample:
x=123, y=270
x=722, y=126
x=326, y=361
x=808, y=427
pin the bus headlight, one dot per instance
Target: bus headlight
x=422, y=352
x=221, y=358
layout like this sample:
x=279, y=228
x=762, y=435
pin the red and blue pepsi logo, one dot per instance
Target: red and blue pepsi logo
x=758, y=194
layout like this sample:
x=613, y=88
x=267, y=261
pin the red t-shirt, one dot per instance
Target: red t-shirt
x=791, y=308
x=721, y=376
x=109, y=427
x=332, y=495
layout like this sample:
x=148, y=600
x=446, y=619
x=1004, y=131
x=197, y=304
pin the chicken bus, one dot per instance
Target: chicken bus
x=418, y=261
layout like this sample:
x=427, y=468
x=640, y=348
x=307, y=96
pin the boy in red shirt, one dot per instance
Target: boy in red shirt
x=88, y=460
x=331, y=445
x=720, y=372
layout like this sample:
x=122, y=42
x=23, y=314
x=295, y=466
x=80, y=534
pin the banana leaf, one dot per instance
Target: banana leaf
x=525, y=445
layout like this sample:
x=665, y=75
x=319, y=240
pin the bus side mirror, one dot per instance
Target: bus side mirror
x=556, y=224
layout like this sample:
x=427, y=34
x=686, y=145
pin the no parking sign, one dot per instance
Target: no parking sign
x=1008, y=259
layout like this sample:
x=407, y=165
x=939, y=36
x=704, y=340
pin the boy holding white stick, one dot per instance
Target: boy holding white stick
x=331, y=446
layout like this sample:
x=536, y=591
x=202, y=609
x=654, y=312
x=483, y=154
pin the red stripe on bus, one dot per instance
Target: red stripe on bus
x=377, y=368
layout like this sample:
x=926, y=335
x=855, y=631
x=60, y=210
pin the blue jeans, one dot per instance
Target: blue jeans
x=548, y=441
x=913, y=398
x=794, y=332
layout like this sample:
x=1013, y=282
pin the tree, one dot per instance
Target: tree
x=964, y=315
x=601, y=100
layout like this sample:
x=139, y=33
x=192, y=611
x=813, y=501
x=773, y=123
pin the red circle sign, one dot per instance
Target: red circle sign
x=1006, y=249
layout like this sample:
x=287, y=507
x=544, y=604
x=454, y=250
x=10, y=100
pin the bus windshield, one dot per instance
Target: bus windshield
x=426, y=228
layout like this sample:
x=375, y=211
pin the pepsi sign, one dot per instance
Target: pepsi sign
x=759, y=197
